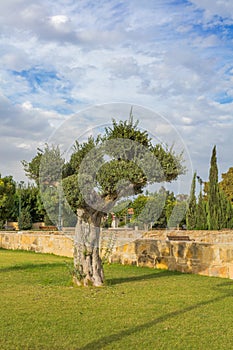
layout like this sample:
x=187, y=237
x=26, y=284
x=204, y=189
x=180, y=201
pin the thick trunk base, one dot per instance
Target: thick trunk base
x=88, y=268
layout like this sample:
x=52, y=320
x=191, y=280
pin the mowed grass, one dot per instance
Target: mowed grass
x=138, y=308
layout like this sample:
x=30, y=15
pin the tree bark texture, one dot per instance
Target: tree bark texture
x=88, y=269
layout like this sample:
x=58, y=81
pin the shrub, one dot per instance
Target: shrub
x=25, y=220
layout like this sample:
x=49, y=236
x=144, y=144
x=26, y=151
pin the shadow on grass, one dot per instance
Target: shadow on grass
x=114, y=337
x=156, y=274
x=29, y=267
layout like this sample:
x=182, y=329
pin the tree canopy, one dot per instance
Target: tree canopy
x=226, y=185
x=7, y=197
x=100, y=172
x=133, y=162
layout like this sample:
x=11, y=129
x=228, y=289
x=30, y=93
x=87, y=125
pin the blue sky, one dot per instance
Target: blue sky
x=60, y=57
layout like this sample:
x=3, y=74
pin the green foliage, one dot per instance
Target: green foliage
x=50, y=177
x=214, y=206
x=29, y=197
x=170, y=162
x=25, y=220
x=46, y=170
x=32, y=169
x=107, y=222
x=226, y=185
x=127, y=129
x=214, y=209
x=51, y=165
x=93, y=185
x=225, y=212
x=192, y=207
x=120, y=210
x=120, y=177
x=72, y=192
x=123, y=175
x=7, y=198
x=229, y=215
x=69, y=220
x=201, y=214
x=138, y=204
x=169, y=206
x=80, y=150
x=113, y=177
x=114, y=173
x=46, y=167
x=177, y=219
x=152, y=209
x=47, y=220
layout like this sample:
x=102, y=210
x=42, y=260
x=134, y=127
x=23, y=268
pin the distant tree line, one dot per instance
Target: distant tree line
x=149, y=210
x=213, y=210
x=22, y=203
x=19, y=202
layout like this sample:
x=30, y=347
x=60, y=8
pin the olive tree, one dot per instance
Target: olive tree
x=100, y=172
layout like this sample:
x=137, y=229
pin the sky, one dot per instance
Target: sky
x=169, y=59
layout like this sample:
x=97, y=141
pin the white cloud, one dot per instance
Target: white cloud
x=58, y=57
x=24, y=146
x=59, y=20
x=223, y=8
x=27, y=105
x=187, y=120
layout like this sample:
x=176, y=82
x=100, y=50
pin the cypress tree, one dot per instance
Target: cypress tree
x=214, y=202
x=226, y=212
x=223, y=215
x=25, y=220
x=192, y=206
x=229, y=215
x=201, y=222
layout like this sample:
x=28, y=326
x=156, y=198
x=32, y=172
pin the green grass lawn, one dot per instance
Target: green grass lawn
x=138, y=308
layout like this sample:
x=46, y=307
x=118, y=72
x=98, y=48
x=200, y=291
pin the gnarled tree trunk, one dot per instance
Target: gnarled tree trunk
x=88, y=269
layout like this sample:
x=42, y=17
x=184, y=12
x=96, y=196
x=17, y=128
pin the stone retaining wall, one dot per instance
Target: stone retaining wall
x=191, y=257
x=201, y=257
x=50, y=242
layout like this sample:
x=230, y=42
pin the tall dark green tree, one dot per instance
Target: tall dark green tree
x=32, y=169
x=226, y=211
x=169, y=206
x=201, y=215
x=46, y=170
x=25, y=220
x=7, y=199
x=29, y=196
x=191, y=214
x=213, y=203
x=229, y=215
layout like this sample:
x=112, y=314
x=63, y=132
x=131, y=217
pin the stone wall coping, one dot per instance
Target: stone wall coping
x=36, y=233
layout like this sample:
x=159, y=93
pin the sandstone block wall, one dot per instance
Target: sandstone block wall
x=39, y=242
x=190, y=257
x=201, y=257
x=224, y=236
